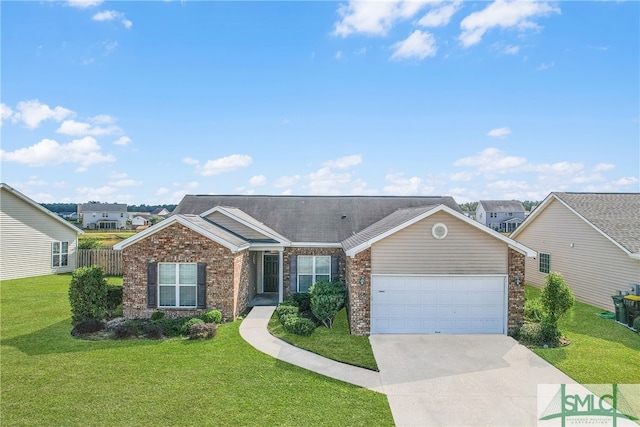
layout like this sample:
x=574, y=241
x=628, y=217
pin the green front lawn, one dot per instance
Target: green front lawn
x=335, y=343
x=50, y=378
x=601, y=351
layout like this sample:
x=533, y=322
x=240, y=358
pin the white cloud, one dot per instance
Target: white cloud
x=398, y=185
x=374, y=17
x=257, y=180
x=503, y=14
x=190, y=161
x=32, y=113
x=601, y=167
x=96, y=193
x=544, y=66
x=344, y=162
x=462, y=176
x=224, y=164
x=418, y=45
x=127, y=183
x=626, y=181
x=499, y=132
x=492, y=160
x=5, y=113
x=84, y=4
x=558, y=168
x=511, y=50
x=112, y=15
x=326, y=181
x=123, y=141
x=286, y=181
x=74, y=128
x=440, y=16
x=84, y=152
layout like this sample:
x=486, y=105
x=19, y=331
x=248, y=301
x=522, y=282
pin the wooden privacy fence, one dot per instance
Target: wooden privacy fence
x=110, y=260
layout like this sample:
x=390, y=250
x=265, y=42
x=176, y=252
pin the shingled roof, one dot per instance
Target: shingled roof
x=317, y=219
x=615, y=214
x=502, y=205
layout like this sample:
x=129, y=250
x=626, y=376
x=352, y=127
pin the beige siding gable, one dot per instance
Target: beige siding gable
x=465, y=250
x=235, y=226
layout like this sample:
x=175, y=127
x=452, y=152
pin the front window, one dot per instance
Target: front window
x=545, y=263
x=177, y=284
x=313, y=269
x=59, y=254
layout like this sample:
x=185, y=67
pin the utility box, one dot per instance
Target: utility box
x=621, y=311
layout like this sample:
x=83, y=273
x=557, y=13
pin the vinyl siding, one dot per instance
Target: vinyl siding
x=465, y=250
x=27, y=234
x=235, y=226
x=594, y=268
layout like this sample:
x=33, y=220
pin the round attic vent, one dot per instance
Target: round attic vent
x=439, y=231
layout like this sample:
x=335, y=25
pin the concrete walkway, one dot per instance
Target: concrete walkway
x=254, y=331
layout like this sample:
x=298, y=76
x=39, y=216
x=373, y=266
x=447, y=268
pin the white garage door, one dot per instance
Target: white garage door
x=438, y=304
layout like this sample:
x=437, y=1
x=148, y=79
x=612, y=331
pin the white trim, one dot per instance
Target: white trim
x=39, y=207
x=272, y=234
x=443, y=208
x=180, y=220
x=542, y=206
x=315, y=245
x=266, y=247
x=177, y=285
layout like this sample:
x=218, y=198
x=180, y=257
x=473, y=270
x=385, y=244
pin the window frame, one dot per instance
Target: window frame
x=178, y=286
x=546, y=264
x=314, y=274
x=60, y=258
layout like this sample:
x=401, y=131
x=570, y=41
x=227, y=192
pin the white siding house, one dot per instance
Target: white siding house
x=503, y=216
x=103, y=216
x=592, y=239
x=33, y=240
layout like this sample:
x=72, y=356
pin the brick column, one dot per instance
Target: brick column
x=359, y=295
x=515, y=304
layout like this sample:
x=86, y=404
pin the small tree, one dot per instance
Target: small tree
x=87, y=294
x=327, y=298
x=556, y=297
x=89, y=243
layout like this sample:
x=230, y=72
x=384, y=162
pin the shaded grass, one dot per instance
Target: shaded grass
x=50, y=378
x=107, y=238
x=601, y=351
x=335, y=343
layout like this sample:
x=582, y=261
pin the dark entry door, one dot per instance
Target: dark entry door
x=271, y=275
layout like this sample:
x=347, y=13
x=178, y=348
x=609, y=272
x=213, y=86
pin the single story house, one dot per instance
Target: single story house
x=410, y=264
x=500, y=215
x=34, y=241
x=592, y=239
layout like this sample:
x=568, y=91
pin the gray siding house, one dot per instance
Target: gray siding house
x=503, y=216
x=103, y=216
x=592, y=239
x=410, y=264
x=33, y=240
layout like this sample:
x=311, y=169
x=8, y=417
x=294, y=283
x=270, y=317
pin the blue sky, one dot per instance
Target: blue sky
x=143, y=102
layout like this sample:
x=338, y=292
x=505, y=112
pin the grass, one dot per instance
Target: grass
x=601, y=351
x=107, y=238
x=50, y=378
x=335, y=343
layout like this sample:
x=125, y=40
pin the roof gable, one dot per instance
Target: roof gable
x=502, y=205
x=45, y=211
x=615, y=215
x=238, y=222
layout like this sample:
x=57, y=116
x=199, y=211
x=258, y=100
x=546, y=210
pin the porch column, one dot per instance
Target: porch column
x=281, y=274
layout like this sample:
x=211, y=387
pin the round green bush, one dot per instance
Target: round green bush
x=533, y=310
x=284, y=310
x=530, y=334
x=157, y=315
x=125, y=331
x=186, y=326
x=88, y=327
x=299, y=325
x=203, y=331
x=212, y=316
x=153, y=330
x=87, y=294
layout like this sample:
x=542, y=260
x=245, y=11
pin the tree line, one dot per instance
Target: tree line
x=73, y=207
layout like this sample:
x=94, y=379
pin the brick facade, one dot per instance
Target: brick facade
x=177, y=243
x=515, y=303
x=293, y=252
x=359, y=295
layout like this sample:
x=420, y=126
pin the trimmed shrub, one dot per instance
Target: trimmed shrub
x=186, y=326
x=556, y=298
x=88, y=327
x=530, y=334
x=549, y=333
x=87, y=294
x=290, y=302
x=212, y=316
x=327, y=298
x=283, y=310
x=203, y=331
x=125, y=330
x=533, y=310
x=157, y=315
x=303, y=300
x=153, y=330
x=299, y=325
x=172, y=327
x=136, y=324
x=89, y=243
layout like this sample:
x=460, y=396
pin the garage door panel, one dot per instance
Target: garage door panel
x=438, y=304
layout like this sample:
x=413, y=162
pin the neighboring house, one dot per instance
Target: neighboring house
x=503, y=216
x=592, y=239
x=139, y=218
x=163, y=212
x=103, y=216
x=410, y=264
x=33, y=240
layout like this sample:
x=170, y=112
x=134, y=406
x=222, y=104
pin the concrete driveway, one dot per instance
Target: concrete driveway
x=461, y=380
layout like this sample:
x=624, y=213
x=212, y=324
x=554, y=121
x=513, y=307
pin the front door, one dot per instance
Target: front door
x=271, y=276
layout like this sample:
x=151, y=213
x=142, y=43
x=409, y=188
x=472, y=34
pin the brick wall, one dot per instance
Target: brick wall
x=177, y=243
x=359, y=296
x=515, y=315
x=292, y=252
